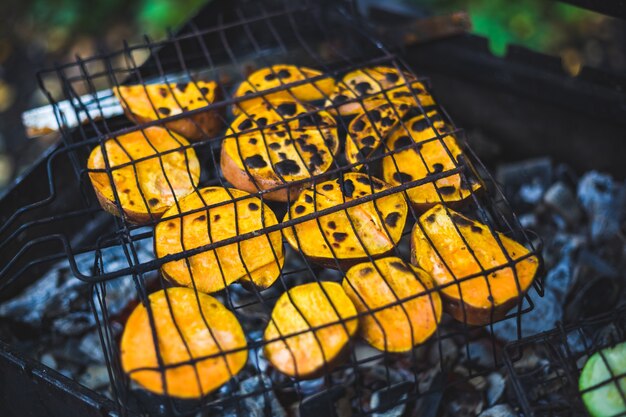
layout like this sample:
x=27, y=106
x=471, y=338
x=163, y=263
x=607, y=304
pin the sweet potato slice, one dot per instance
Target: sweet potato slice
x=369, y=84
x=257, y=260
x=401, y=313
x=265, y=159
x=157, y=101
x=369, y=128
x=281, y=115
x=449, y=260
x=142, y=187
x=188, y=326
x=300, y=351
x=377, y=224
x=429, y=156
x=280, y=76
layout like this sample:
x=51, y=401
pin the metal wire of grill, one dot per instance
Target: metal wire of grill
x=293, y=35
x=548, y=384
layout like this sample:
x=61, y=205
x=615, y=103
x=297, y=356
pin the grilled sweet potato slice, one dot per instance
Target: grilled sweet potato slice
x=368, y=84
x=369, y=128
x=429, y=156
x=143, y=187
x=301, y=351
x=482, y=298
x=279, y=76
x=282, y=114
x=188, y=326
x=157, y=101
x=287, y=152
x=377, y=224
x=402, y=314
x=257, y=260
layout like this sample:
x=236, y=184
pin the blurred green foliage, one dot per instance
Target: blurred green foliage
x=537, y=24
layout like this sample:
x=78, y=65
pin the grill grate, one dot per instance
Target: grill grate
x=545, y=368
x=329, y=38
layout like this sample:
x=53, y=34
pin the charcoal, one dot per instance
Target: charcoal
x=90, y=346
x=390, y=401
x=480, y=353
x=479, y=382
x=547, y=312
x=463, y=399
x=263, y=403
x=497, y=385
x=52, y=296
x=561, y=200
x=73, y=324
x=524, y=183
x=121, y=292
x=95, y=377
x=500, y=410
x=48, y=360
x=604, y=202
x=597, y=289
x=445, y=352
x=430, y=382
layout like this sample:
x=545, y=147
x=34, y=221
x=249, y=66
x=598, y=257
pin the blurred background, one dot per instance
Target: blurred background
x=38, y=33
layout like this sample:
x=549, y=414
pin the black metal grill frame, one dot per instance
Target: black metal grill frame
x=491, y=208
x=564, y=363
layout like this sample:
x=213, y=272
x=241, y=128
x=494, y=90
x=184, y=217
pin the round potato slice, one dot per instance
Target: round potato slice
x=146, y=189
x=300, y=351
x=157, y=101
x=483, y=298
x=377, y=224
x=281, y=76
x=429, y=156
x=257, y=260
x=188, y=326
x=287, y=152
x=405, y=314
x=369, y=84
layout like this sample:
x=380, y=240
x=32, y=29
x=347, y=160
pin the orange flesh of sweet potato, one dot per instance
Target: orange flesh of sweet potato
x=368, y=129
x=158, y=101
x=278, y=155
x=399, y=325
x=280, y=75
x=262, y=255
x=186, y=380
x=300, y=309
x=369, y=83
x=378, y=232
x=181, y=168
x=482, y=295
x=426, y=158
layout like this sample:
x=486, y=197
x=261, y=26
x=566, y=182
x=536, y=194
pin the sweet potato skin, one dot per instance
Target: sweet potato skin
x=481, y=304
x=138, y=350
x=312, y=301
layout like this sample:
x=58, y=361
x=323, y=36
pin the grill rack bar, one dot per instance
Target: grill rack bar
x=564, y=351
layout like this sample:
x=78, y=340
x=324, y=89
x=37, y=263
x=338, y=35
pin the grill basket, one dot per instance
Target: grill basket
x=545, y=369
x=330, y=38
